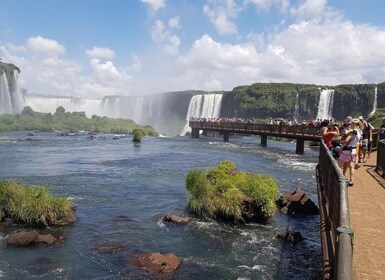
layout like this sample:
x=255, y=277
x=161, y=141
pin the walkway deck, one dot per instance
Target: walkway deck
x=367, y=218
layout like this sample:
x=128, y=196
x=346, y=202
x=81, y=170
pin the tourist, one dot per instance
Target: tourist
x=367, y=138
x=349, y=151
x=356, y=126
x=328, y=132
x=381, y=130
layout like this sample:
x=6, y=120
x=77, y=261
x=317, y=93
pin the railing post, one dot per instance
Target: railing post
x=300, y=146
x=263, y=140
x=195, y=132
x=226, y=137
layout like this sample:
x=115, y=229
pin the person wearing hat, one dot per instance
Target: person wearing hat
x=349, y=150
x=367, y=138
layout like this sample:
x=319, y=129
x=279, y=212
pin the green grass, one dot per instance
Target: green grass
x=33, y=205
x=221, y=191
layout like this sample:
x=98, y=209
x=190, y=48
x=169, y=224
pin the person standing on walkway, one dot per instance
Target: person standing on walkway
x=381, y=130
x=349, y=152
x=367, y=138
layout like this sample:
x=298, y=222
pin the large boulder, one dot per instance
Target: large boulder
x=23, y=238
x=297, y=202
x=28, y=238
x=157, y=264
x=171, y=218
x=291, y=237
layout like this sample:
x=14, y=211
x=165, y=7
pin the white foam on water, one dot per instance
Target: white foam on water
x=296, y=164
x=161, y=223
x=255, y=267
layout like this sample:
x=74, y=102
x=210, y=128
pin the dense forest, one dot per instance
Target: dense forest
x=70, y=122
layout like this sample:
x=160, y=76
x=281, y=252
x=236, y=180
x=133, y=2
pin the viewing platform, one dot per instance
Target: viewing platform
x=298, y=132
x=367, y=218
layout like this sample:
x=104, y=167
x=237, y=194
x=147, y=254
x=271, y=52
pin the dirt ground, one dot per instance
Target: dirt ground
x=367, y=218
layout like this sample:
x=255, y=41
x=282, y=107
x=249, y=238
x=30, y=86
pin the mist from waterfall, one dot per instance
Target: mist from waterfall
x=11, y=98
x=203, y=106
x=145, y=110
x=325, y=104
x=374, y=103
x=296, y=108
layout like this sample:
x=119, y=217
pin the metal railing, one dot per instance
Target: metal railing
x=257, y=127
x=380, y=164
x=336, y=234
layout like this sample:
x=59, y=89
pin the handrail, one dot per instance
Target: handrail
x=336, y=234
x=380, y=164
x=257, y=127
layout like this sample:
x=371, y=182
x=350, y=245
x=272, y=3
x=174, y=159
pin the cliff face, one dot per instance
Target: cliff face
x=285, y=100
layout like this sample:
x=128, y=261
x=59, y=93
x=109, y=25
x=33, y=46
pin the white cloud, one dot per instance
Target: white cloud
x=221, y=15
x=314, y=9
x=97, y=52
x=174, y=23
x=45, y=46
x=158, y=32
x=165, y=38
x=282, y=5
x=155, y=4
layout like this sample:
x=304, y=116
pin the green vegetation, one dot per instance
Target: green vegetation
x=277, y=100
x=222, y=192
x=376, y=119
x=34, y=205
x=137, y=135
x=9, y=70
x=66, y=121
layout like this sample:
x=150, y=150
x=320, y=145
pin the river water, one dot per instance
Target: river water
x=123, y=190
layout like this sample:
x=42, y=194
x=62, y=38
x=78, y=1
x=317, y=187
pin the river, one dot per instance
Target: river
x=123, y=190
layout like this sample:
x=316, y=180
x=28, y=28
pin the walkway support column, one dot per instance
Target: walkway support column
x=263, y=140
x=300, y=146
x=226, y=137
x=195, y=132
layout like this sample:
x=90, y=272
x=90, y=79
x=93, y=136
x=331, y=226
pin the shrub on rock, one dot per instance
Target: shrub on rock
x=226, y=193
x=34, y=205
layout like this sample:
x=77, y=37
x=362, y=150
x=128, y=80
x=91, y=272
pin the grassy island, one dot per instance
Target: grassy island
x=228, y=194
x=67, y=121
x=34, y=206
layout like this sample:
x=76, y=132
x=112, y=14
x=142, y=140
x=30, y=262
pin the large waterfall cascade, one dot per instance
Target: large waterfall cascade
x=203, y=106
x=325, y=104
x=374, y=103
x=11, y=98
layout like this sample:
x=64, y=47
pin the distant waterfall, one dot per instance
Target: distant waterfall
x=11, y=99
x=5, y=96
x=203, y=106
x=296, y=108
x=325, y=104
x=374, y=103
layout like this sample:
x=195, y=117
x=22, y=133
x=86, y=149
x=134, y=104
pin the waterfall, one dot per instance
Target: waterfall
x=5, y=96
x=374, y=103
x=296, y=108
x=325, y=104
x=203, y=106
x=11, y=99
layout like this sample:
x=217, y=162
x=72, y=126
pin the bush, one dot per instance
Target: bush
x=224, y=192
x=34, y=205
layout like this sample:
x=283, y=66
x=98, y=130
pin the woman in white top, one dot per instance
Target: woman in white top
x=349, y=151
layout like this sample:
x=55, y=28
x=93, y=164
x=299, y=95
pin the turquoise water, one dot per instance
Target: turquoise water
x=123, y=190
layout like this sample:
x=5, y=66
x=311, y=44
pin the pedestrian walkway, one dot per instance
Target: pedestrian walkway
x=367, y=218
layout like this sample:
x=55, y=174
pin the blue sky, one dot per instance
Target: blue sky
x=98, y=48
